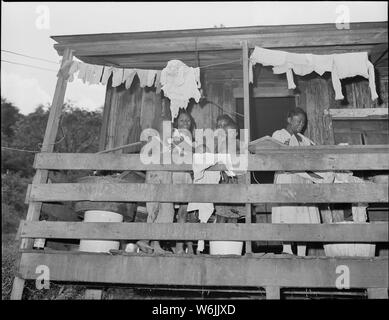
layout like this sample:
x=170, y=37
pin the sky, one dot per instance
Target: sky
x=26, y=28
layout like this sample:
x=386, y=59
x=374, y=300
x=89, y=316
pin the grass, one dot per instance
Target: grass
x=9, y=263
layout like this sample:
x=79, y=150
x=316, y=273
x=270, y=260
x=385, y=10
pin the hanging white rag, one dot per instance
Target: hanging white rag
x=322, y=63
x=266, y=57
x=117, y=77
x=142, y=75
x=128, y=77
x=350, y=65
x=301, y=64
x=90, y=68
x=73, y=69
x=201, y=176
x=82, y=73
x=340, y=65
x=151, y=77
x=106, y=74
x=96, y=76
x=180, y=83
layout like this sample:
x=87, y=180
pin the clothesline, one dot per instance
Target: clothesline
x=220, y=107
x=16, y=149
x=222, y=63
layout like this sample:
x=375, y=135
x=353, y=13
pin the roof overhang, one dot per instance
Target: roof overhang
x=199, y=47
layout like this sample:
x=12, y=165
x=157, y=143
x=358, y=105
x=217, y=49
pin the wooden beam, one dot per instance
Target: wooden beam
x=266, y=92
x=356, y=232
x=265, y=160
x=246, y=106
x=265, y=271
x=377, y=293
x=319, y=27
x=93, y=294
x=357, y=113
x=106, y=113
x=273, y=293
x=218, y=193
x=305, y=36
x=17, y=288
x=41, y=176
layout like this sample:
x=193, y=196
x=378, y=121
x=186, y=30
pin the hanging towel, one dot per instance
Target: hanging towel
x=90, y=68
x=322, y=63
x=96, y=76
x=117, y=77
x=340, y=65
x=73, y=69
x=201, y=176
x=143, y=76
x=81, y=74
x=151, y=77
x=268, y=57
x=273, y=58
x=179, y=84
x=128, y=77
x=350, y=65
x=106, y=74
x=201, y=162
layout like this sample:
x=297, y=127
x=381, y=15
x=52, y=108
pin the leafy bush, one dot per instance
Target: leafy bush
x=14, y=188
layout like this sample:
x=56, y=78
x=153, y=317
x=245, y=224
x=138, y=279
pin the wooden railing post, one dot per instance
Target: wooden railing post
x=273, y=293
x=246, y=103
x=34, y=208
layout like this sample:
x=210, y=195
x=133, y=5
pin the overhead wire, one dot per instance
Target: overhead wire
x=28, y=65
x=31, y=57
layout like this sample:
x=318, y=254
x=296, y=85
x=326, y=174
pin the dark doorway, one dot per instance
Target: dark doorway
x=266, y=116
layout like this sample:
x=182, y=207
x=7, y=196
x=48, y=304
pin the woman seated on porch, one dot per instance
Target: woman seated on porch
x=292, y=136
x=158, y=212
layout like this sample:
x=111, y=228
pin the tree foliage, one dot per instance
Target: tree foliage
x=78, y=132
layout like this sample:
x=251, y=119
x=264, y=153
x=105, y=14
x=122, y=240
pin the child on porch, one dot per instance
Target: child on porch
x=228, y=213
x=184, y=126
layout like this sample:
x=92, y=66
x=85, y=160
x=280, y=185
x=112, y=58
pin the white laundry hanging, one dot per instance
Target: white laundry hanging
x=94, y=74
x=341, y=66
x=201, y=162
x=180, y=83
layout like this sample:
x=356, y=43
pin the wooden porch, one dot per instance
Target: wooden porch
x=253, y=269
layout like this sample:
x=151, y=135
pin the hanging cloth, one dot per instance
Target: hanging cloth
x=128, y=77
x=106, y=74
x=179, y=84
x=73, y=69
x=341, y=66
x=96, y=75
x=82, y=73
x=142, y=75
x=117, y=77
x=349, y=65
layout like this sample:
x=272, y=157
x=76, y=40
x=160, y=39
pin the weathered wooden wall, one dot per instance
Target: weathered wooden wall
x=129, y=111
x=317, y=94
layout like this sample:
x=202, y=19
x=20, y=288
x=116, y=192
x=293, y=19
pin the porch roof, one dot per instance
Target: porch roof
x=203, y=47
